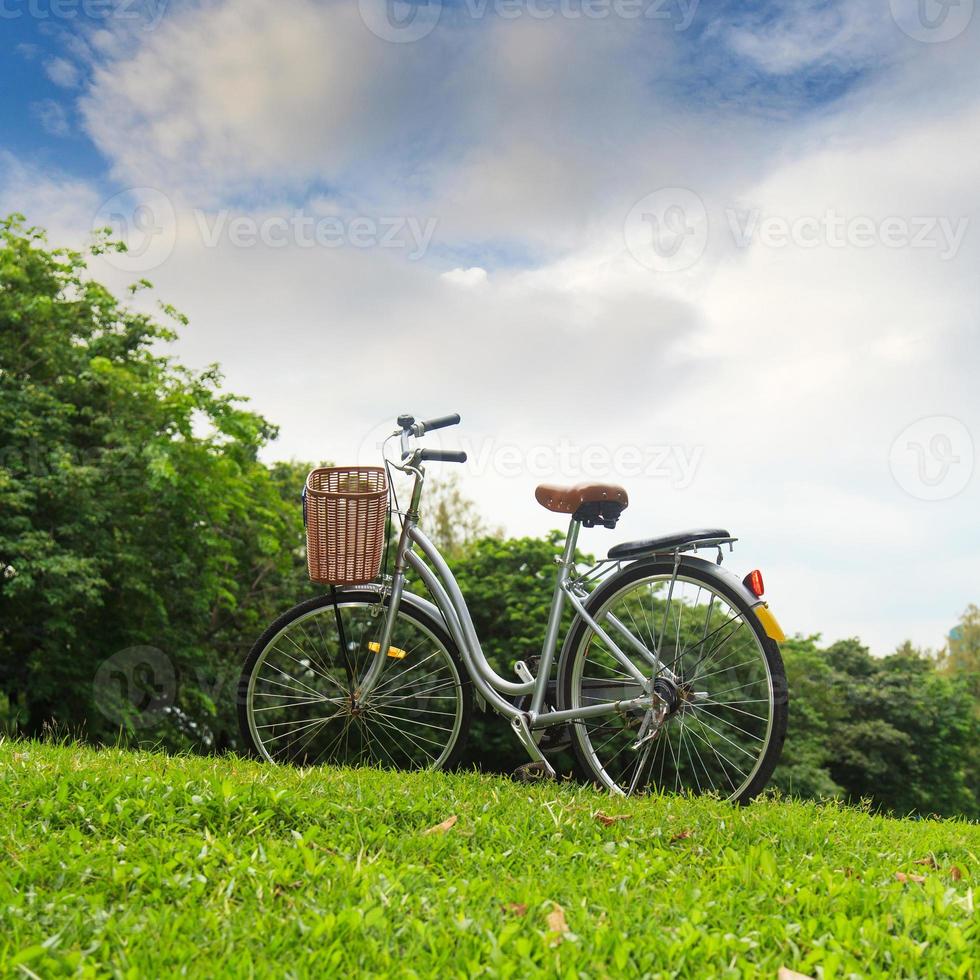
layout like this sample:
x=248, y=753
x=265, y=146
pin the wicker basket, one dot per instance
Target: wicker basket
x=344, y=508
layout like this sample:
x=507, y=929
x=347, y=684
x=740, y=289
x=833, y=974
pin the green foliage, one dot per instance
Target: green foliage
x=508, y=585
x=133, y=509
x=813, y=713
x=902, y=731
x=961, y=658
x=960, y=662
x=892, y=730
x=134, y=864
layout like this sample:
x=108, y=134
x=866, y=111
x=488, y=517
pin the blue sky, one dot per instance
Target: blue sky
x=49, y=61
x=735, y=241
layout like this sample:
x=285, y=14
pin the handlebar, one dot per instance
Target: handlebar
x=442, y=456
x=409, y=427
x=439, y=423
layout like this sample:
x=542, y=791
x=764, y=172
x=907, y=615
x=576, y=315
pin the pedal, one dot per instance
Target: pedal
x=533, y=772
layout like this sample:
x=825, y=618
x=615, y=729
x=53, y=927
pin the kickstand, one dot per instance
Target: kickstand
x=539, y=762
x=532, y=772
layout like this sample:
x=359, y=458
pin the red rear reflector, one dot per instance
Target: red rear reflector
x=753, y=582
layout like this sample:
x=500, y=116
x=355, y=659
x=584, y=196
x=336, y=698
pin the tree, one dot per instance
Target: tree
x=134, y=513
x=814, y=713
x=902, y=733
x=960, y=661
x=961, y=658
x=452, y=520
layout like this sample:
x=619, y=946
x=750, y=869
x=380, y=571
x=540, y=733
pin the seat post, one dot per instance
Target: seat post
x=565, y=563
x=571, y=540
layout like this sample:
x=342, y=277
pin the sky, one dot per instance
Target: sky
x=724, y=254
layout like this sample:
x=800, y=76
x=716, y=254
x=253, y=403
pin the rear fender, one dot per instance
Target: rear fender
x=731, y=581
x=726, y=581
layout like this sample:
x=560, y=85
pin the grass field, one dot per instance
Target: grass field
x=138, y=864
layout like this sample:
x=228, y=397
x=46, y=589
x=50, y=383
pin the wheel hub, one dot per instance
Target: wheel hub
x=668, y=692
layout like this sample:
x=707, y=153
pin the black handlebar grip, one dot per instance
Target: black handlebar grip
x=442, y=455
x=439, y=423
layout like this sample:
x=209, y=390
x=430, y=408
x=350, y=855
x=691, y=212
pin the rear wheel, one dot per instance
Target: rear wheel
x=720, y=677
x=296, y=694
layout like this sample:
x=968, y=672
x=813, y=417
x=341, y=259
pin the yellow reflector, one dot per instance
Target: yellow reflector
x=392, y=651
x=773, y=630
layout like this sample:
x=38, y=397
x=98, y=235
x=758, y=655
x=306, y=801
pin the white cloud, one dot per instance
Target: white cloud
x=804, y=34
x=218, y=114
x=53, y=117
x=62, y=72
x=59, y=203
x=778, y=375
x=474, y=276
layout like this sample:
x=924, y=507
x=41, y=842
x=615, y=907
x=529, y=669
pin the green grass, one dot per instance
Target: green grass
x=139, y=864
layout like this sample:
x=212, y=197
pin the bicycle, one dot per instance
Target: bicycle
x=669, y=678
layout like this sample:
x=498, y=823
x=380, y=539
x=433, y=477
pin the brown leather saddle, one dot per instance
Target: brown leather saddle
x=590, y=503
x=602, y=503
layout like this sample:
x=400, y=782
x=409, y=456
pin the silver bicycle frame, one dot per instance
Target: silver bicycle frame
x=444, y=589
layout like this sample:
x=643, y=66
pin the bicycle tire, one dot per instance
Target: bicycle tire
x=327, y=679
x=661, y=570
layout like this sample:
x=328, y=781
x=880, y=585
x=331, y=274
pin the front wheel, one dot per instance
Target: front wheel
x=719, y=676
x=298, y=697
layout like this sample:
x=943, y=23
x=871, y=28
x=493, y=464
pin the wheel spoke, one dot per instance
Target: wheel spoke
x=307, y=666
x=412, y=719
x=303, y=688
x=725, y=722
x=712, y=745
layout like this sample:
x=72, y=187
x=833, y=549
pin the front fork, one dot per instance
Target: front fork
x=370, y=679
